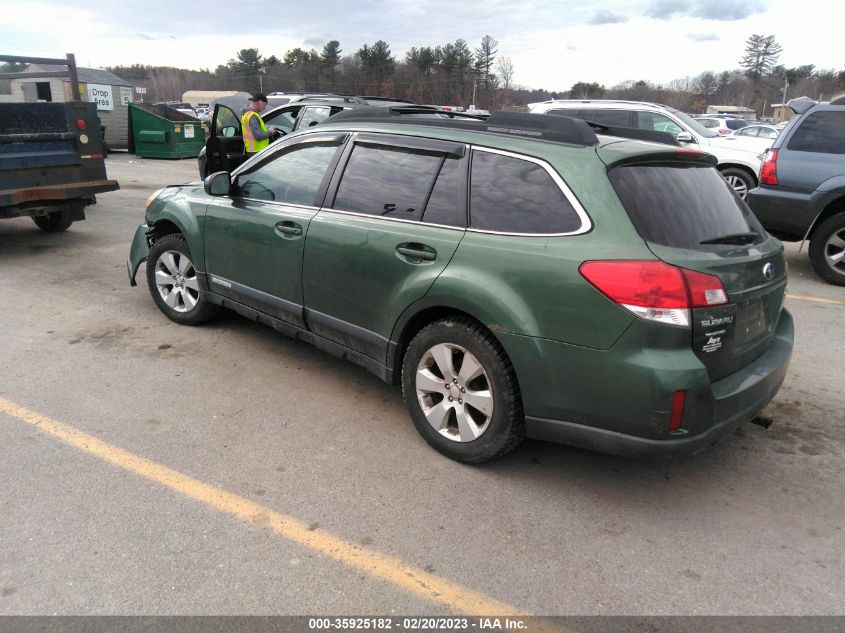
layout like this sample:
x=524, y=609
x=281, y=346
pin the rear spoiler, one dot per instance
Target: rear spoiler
x=636, y=134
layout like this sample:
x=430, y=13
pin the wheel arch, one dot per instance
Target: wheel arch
x=744, y=168
x=415, y=319
x=832, y=208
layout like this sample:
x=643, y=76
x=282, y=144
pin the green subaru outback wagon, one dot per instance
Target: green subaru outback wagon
x=528, y=275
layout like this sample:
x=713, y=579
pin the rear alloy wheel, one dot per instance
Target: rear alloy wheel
x=461, y=391
x=172, y=280
x=827, y=250
x=739, y=180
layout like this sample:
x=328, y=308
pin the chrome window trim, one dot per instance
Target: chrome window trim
x=586, y=222
x=387, y=219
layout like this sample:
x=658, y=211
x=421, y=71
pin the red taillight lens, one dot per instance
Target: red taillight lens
x=724, y=131
x=769, y=170
x=677, y=414
x=655, y=290
x=81, y=124
x=705, y=290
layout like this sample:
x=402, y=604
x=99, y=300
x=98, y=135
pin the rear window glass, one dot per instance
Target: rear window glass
x=511, y=195
x=822, y=132
x=681, y=205
x=735, y=124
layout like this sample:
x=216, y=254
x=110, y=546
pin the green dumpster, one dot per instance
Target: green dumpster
x=159, y=131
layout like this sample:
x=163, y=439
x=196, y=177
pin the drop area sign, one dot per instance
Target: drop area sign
x=101, y=95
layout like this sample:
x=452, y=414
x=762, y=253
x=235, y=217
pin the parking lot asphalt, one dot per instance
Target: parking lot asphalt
x=151, y=468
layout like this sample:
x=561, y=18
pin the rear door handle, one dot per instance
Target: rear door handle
x=417, y=251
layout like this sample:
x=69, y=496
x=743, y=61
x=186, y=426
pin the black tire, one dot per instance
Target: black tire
x=54, y=222
x=743, y=182
x=190, y=305
x=503, y=430
x=828, y=241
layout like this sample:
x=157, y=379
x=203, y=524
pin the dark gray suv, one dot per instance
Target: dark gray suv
x=801, y=195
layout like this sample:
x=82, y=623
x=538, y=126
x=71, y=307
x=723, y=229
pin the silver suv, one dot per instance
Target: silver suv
x=738, y=158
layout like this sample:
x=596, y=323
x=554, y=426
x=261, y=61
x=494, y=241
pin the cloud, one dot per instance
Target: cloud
x=573, y=49
x=703, y=37
x=665, y=9
x=143, y=36
x=728, y=9
x=607, y=17
x=315, y=42
x=721, y=10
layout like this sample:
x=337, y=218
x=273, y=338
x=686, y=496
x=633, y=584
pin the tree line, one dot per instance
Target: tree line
x=457, y=74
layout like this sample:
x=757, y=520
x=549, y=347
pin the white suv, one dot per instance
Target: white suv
x=738, y=157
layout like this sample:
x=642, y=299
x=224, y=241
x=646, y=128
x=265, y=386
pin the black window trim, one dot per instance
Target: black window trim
x=414, y=143
x=586, y=222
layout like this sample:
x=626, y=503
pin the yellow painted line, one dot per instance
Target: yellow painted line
x=382, y=566
x=816, y=299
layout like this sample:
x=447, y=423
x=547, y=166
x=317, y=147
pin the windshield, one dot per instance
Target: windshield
x=694, y=125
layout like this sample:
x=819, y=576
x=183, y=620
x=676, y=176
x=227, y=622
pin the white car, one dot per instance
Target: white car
x=758, y=130
x=739, y=157
x=722, y=125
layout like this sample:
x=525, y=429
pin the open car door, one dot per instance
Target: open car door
x=224, y=149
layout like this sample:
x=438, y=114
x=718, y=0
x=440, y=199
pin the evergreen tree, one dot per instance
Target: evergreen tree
x=761, y=53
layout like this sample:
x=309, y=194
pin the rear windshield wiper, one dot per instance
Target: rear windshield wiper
x=733, y=238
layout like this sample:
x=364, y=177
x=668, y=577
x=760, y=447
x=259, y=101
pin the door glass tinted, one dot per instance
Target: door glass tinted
x=619, y=118
x=293, y=177
x=227, y=123
x=658, y=123
x=511, y=195
x=443, y=207
x=681, y=205
x=388, y=181
x=822, y=132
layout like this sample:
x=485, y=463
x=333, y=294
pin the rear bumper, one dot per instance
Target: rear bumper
x=623, y=416
x=786, y=213
x=25, y=195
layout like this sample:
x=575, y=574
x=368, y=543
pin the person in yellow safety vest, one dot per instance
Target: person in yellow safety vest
x=256, y=134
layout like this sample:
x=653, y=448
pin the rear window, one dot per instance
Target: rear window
x=735, y=124
x=822, y=132
x=681, y=205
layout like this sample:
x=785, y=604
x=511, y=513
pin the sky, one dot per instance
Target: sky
x=551, y=44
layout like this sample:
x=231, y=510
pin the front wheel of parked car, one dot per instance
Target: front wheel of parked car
x=740, y=180
x=827, y=250
x=173, y=283
x=461, y=391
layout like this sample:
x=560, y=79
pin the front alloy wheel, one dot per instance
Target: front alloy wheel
x=172, y=280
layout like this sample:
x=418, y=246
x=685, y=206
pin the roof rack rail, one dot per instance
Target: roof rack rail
x=525, y=125
x=636, y=134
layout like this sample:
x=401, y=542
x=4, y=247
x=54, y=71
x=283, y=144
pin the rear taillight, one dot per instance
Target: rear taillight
x=81, y=124
x=769, y=169
x=654, y=290
x=724, y=131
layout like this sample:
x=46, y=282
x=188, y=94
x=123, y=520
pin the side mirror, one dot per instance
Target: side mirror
x=684, y=137
x=218, y=184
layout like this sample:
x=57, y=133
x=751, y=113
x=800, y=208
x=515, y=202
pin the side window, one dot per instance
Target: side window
x=443, y=207
x=822, y=132
x=284, y=120
x=512, y=195
x=314, y=115
x=619, y=118
x=388, y=181
x=658, y=122
x=749, y=131
x=292, y=177
x=227, y=124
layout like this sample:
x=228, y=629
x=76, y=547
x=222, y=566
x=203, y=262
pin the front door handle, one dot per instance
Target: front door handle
x=289, y=228
x=417, y=251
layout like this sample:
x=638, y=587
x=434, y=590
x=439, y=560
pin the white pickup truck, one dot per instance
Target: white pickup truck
x=739, y=157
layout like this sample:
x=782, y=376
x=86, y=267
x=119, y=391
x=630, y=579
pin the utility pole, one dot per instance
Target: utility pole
x=474, y=86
